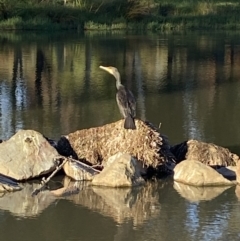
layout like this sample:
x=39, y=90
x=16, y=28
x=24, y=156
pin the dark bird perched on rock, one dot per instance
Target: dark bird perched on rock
x=125, y=99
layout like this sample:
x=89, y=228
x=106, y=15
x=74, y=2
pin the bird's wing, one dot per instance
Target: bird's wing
x=122, y=101
x=126, y=102
x=131, y=103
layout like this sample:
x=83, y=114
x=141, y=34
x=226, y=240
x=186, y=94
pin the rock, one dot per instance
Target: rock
x=26, y=155
x=122, y=172
x=78, y=171
x=140, y=166
x=195, y=194
x=206, y=153
x=198, y=174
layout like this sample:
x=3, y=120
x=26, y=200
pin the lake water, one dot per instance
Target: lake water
x=189, y=82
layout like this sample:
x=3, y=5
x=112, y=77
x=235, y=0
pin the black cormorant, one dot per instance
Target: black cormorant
x=125, y=99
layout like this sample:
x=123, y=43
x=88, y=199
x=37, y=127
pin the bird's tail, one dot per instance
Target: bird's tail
x=129, y=123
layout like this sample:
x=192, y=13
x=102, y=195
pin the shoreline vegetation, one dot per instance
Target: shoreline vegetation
x=155, y=15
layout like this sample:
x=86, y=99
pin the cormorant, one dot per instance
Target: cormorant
x=125, y=99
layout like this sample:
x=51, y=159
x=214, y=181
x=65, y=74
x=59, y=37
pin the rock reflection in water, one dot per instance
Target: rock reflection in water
x=195, y=194
x=237, y=192
x=138, y=204
x=22, y=204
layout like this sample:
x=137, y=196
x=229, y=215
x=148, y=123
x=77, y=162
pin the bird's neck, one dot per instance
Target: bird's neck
x=118, y=81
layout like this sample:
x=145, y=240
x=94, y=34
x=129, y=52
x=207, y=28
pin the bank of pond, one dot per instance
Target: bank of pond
x=114, y=14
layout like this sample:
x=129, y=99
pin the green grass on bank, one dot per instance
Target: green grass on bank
x=119, y=14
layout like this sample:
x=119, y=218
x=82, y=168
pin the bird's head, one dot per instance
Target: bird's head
x=111, y=70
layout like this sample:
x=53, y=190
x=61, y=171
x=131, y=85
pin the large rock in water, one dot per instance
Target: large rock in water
x=123, y=171
x=207, y=153
x=26, y=155
x=198, y=174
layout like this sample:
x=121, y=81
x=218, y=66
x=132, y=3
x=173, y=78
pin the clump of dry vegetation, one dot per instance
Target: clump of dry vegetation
x=96, y=145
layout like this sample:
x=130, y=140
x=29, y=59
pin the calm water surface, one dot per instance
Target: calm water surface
x=189, y=82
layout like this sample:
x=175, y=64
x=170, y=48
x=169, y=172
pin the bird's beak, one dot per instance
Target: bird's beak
x=106, y=69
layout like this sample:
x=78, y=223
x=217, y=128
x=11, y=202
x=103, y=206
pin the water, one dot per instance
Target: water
x=188, y=82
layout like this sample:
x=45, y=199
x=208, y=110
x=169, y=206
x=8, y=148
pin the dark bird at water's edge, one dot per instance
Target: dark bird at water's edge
x=125, y=99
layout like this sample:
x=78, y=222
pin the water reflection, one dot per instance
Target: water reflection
x=196, y=194
x=154, y=211
x=138, y=204
x=22, y=204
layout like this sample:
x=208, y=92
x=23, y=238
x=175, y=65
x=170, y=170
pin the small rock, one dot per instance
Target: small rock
x=78, y=171
x=198, y=174
x=122, y=172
